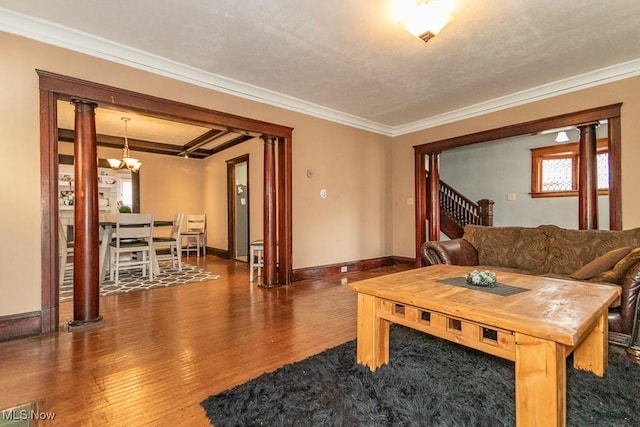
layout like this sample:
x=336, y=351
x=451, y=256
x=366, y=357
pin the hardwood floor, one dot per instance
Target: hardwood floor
x=160, y=352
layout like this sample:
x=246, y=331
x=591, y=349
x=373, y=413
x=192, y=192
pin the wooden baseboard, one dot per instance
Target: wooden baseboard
x=220, y=253
x=404, y=261
x=20, y=325
x=323, y=271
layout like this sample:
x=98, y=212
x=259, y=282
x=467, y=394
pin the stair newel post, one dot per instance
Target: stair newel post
x=485, y=211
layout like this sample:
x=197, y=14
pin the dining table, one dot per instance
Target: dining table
x=106, y=236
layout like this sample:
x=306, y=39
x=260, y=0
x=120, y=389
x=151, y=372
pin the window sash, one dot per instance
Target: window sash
x=542, y=159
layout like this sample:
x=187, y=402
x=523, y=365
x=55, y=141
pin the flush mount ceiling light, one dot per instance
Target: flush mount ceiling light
x=127, y=161
x=424, y=18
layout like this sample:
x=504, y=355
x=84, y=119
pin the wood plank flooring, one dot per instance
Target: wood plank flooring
x=161, y=352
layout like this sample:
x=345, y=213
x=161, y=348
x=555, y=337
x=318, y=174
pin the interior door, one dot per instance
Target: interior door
x=238, y=192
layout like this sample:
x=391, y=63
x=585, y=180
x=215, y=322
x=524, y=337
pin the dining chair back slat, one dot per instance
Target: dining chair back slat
x=134, y=238
x=196, y=234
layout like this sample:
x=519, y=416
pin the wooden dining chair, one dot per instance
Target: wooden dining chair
x=134, y=239
x=173, y=243
x=195, y=236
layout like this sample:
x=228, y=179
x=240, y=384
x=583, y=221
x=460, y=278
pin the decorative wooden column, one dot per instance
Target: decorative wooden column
x=86, y=282
x=588, y=178
x=434, y=197
x=284, y=247
x=420, y=201
x=270, y=214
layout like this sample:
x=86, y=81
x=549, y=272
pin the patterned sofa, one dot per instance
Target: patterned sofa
x=610, y=257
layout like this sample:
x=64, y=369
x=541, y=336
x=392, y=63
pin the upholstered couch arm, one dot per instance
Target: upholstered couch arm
x=455, y=252
x=629, y=298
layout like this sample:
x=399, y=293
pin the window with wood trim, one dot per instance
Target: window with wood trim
x=554, y=170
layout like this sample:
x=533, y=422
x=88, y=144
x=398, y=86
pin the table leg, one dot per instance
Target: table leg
x=107, y=234
x=541, y=382
x=154, y=261
x=373, y=333
x=593, y=353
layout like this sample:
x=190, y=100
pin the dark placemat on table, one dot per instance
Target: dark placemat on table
x=499, y=289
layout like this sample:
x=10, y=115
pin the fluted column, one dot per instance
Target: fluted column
x=588, y=178
x=269, y=217
x=86, y=282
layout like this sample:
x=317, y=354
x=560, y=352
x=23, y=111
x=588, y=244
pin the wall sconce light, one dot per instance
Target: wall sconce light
x=424, y=18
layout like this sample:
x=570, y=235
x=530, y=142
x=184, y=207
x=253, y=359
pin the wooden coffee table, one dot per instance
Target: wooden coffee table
x=537, y=327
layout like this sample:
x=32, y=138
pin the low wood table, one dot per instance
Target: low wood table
x=534, y=321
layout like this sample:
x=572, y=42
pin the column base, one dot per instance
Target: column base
x=76, y=325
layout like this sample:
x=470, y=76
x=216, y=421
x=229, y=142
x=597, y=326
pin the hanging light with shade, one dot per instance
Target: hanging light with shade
x=127, y=161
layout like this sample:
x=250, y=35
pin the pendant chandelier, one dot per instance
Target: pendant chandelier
x=127, y=161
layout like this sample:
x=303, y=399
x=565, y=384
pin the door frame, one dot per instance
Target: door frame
x=231, y=205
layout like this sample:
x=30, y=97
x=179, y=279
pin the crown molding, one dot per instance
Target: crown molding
x=549, y=90
x=78, y=41
x=58, y=35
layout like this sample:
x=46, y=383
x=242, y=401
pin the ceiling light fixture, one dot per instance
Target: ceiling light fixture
x=561, y=133
x=127, y=161
x=562, y=137
x=424, y=18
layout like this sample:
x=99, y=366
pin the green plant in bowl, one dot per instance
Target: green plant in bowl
x=124, y=209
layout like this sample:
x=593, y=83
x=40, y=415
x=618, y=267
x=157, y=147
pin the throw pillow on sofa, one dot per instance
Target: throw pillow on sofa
x=617, y=272
x=601, y=264
x=571, y=249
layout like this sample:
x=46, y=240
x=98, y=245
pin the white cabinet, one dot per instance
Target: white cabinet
x=107, y=189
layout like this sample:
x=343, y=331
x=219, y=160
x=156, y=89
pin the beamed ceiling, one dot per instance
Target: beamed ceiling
x=152, y=135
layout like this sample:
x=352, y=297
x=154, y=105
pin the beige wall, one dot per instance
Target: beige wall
x=625, y=91
x=353, y=223
x=368, y=176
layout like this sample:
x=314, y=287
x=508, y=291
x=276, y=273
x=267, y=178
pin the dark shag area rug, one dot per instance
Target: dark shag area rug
x=428, y=382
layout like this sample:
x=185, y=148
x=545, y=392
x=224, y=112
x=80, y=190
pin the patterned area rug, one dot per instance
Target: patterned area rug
x=133, y=281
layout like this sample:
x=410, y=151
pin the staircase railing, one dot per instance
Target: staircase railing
x=456, y=211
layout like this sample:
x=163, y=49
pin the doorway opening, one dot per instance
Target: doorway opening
x=277, y=193
x=238, y=197
x=427, y=157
